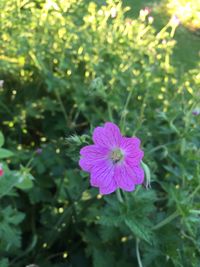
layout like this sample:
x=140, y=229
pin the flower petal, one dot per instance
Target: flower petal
x=1, y=172
x=131, y=147
x=94, y=152
x=91, y=156
x=108, y=136
x=135, y=159
x=109, y=189
x=135, y=172
x=85, y=164
x=130, y=143
x=102, y=174
x=124, y=178
x=139, y=172
x=114, y=132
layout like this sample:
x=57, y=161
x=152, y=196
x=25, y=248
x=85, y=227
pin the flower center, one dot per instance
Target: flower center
x=116, y=155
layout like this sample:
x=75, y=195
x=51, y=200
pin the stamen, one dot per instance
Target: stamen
x=116, y=156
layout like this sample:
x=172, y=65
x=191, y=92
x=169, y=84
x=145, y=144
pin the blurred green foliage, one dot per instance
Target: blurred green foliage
x=67, y=67
x=188, y=11
x=183, y=56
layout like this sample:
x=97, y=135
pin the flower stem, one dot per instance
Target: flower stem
x=124, y=112
x=62, y=107
x=194, y=192
x=28, y=164
x=166, y=220
x=138, y=253
x=110, y=113
x=141, y=115
x=119, y=196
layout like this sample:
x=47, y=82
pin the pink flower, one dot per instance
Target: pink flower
x=113, y=12
x=1, y=171
x=147, y=10
x=144, y=12
x=196, y=112
x=113, y=161
x=38, y=151
x=175, y=21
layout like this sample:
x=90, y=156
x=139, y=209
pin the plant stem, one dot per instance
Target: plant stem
x=138, y=253
x=119, y=196
x=166, y=220
x=141, y=116
x=62, y=107
x=194, y=192
x=124, y=112
x=29, y=162
x=110, y=113
x=162, y=146
x=162, y=30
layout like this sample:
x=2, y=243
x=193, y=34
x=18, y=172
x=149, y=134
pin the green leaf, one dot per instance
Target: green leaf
x=10, y=234
x=138, y=229
x=1, y=139
x=102, y=258
x=7, y=182
x=4, y=262
x=4, y=153
x=25, y=181
x=108, y=233
x=111, y=220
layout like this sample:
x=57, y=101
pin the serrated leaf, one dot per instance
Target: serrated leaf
x=1, y=139
x=112, y=220
x=7, y=182
x=139, y=230
x=10, y=234
x=12, y=216
x=5, y=153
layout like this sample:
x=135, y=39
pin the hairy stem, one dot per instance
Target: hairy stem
x=124, y=112
x=138, y=253
x=141, y=115
x=62, y=107
x=110, y=113
x=194, y=192
x=166, y=220
x=119, y=196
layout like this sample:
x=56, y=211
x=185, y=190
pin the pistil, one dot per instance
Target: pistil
x=116, y=156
